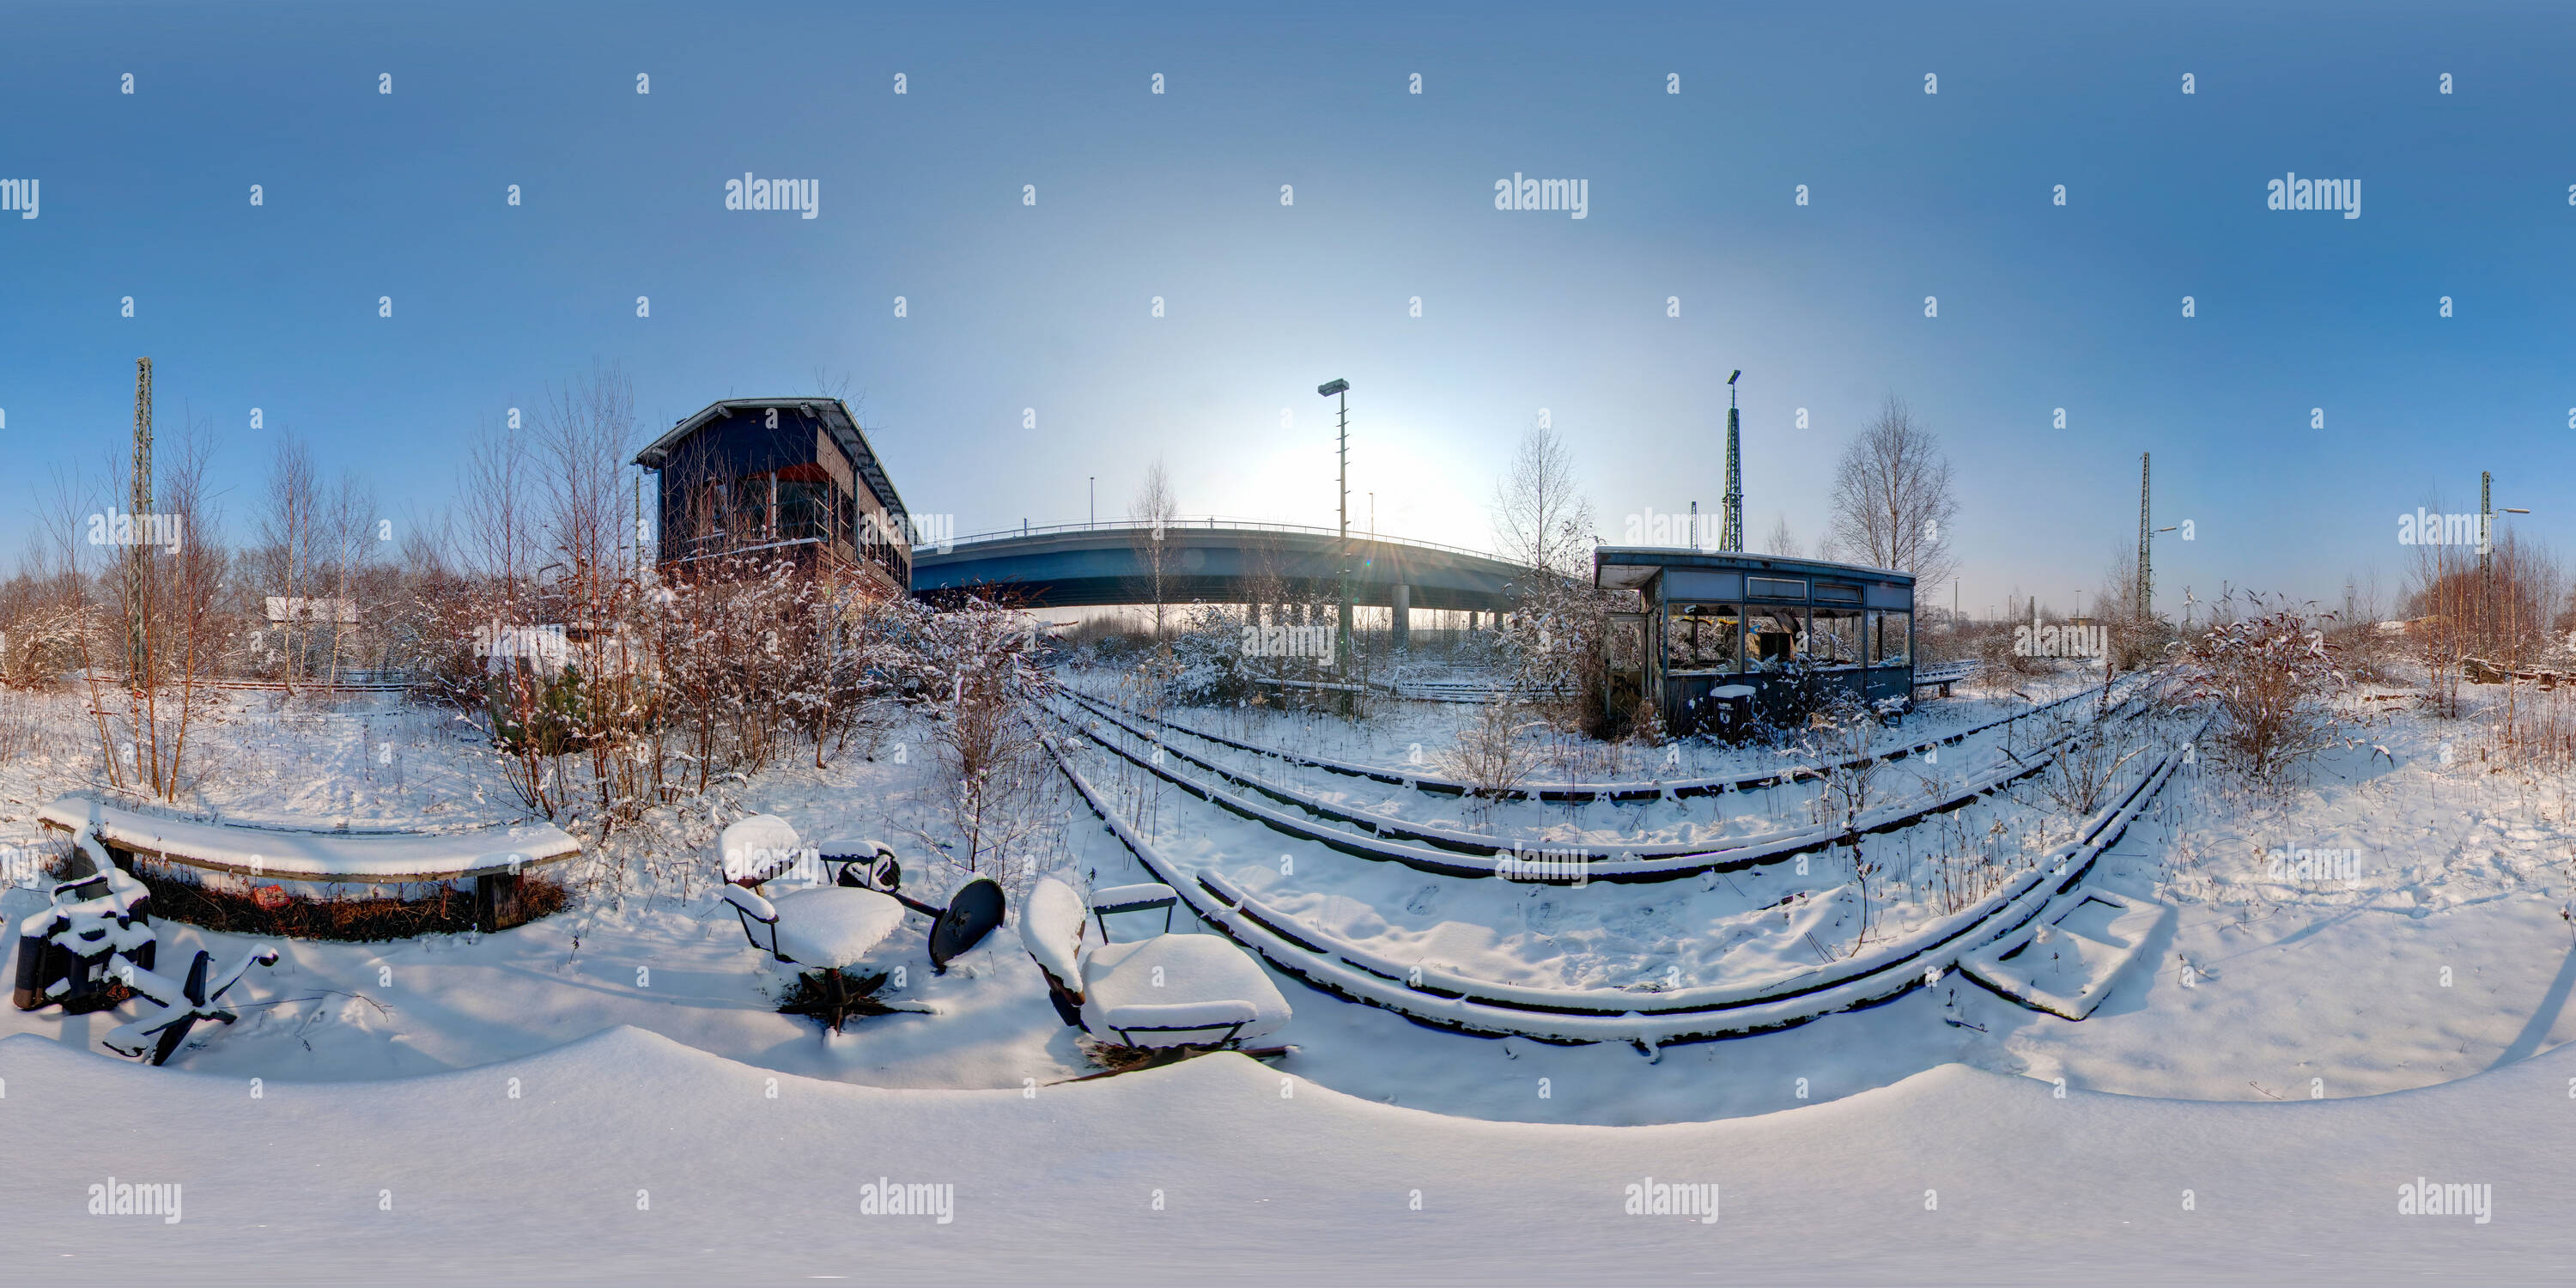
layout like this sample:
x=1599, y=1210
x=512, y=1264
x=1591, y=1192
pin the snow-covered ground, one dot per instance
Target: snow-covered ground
x=2428, y=947
x=630, y=1158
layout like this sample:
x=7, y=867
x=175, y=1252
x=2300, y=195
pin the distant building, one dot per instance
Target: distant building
x=794, y=476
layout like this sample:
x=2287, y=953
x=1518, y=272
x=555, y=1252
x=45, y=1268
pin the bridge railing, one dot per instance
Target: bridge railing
x=1200, y=521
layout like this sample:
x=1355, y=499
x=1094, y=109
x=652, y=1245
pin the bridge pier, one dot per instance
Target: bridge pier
x=1402, y=615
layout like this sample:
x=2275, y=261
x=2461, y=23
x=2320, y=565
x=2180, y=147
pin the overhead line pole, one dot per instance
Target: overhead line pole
x=1733, y=538
x=136, y=555
x=1342, y=388
x=2146, y=560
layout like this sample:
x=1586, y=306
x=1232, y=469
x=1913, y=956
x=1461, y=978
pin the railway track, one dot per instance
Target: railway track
x=1433, y=996
x=1451, y=852
x=1585, y=792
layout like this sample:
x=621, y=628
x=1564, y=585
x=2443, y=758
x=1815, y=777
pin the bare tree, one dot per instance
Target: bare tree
x=974, y=671
x=1156, y=507
x=291, y=531
x=1892, y=500
x=1541, y=519
x=1782, y=541
x=195, y=588
x=499, y=518
x=583, y=432
x=73, y=617
x=347, y=521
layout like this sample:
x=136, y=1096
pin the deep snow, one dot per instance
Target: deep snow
x=2443, y=957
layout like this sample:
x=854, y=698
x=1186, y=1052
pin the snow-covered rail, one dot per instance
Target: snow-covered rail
x=1581, y=792
x=1450, y=852
x=1430, y=995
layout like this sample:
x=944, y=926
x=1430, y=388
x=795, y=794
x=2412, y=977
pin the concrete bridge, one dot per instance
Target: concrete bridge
x=1216, y=561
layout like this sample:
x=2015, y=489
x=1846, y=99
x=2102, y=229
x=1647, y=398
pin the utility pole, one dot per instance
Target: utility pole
x=2146, y=558
x=137, y=555
x=2486, y=521
x=1733, y=540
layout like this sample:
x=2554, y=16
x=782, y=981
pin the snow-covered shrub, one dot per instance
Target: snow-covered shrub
x=1205, y=665
x=1562, y=644
x=2000, y=666
x=2271, y=679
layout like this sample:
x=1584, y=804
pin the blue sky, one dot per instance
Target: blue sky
x=1048, y=307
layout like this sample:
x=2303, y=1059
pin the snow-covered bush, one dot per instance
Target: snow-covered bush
x=1562, y=644
x=2271, y=679
x=1204, y=665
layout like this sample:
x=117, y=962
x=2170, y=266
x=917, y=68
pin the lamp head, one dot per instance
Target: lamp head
x=1336, y=387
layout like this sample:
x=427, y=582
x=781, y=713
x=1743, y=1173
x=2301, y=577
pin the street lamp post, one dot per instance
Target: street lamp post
x=2486, y=518
x=1342, y=389
x=1095, y=501
x=2486, y=547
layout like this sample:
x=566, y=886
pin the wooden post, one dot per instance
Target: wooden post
x=497, y=905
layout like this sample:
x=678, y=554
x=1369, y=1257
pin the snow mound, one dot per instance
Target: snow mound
x=630, y=1158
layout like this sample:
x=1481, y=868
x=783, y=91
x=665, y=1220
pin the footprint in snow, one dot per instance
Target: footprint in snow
x=1422, y=900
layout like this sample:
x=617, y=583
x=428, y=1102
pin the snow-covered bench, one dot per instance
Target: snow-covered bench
x=1167, y=990
x=821, y=927
x=494, y=857
x=1943, y=675
x=98, y=928
x=847, y=902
